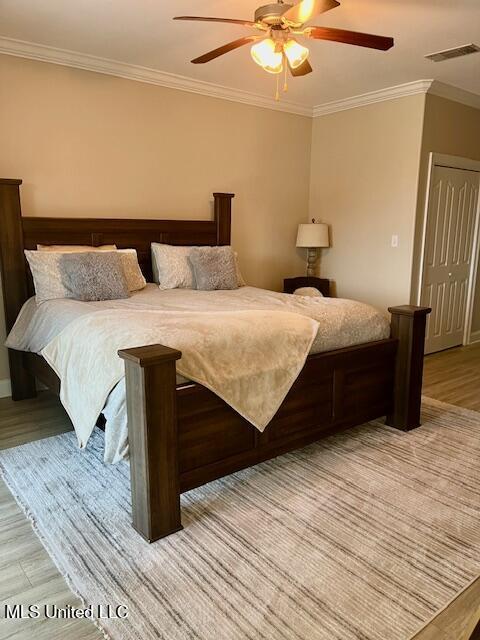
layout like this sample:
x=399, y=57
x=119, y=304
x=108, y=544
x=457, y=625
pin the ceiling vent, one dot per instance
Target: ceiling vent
x=456, y=52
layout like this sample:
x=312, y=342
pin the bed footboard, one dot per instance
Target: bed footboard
x=182, y=437
x=408, y=327
x=153, y=439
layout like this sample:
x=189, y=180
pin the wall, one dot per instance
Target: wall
x=88, y=144
x=364, y=173
x=454, y=129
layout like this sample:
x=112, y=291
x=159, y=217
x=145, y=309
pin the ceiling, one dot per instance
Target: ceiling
x=142, y=32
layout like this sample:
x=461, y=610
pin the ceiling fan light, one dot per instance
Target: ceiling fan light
x=295, y=52
x=265, y=55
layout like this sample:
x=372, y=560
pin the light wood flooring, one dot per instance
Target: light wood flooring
x=454, y=376
x=27, y=575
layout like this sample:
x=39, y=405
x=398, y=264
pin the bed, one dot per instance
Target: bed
x=182, y=435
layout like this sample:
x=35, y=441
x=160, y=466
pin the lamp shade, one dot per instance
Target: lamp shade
x=313, y=235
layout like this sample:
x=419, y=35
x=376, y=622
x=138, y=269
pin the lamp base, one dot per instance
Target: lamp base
x=311, y=262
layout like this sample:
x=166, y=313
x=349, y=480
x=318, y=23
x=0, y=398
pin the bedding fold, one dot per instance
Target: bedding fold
x=248, y=358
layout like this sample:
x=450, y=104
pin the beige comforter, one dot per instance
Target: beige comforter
x=341, y=323
x=248, y=358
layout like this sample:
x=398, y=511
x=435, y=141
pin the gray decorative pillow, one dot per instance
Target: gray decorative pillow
x=214, y=268
x=93, y=276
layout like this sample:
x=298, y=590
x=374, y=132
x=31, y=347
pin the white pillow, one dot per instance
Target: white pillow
x=133, y=273
x=172, y=269
x=78, y=275
x=47, y=277
x=308, y=292
x=240, y=278
x=170, y=266
x=74, y=248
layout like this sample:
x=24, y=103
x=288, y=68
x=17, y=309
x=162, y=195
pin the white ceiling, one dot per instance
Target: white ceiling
x=142, y=32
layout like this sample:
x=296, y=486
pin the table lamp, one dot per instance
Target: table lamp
x=312, y=236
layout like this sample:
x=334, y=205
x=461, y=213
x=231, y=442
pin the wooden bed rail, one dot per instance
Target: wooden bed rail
x=181, y=437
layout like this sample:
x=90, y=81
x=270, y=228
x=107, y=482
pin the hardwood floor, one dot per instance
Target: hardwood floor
x=454, y=376
x=458, y=620
x=27, y=575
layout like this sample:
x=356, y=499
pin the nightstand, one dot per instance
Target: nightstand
x=322, y=284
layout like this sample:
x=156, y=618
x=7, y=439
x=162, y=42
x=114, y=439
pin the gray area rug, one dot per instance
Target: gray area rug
x=363, y=536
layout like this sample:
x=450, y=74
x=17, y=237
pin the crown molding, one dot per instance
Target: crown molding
x=456, y=94
x=87, y=62
x=390, y=93
x=432, y=87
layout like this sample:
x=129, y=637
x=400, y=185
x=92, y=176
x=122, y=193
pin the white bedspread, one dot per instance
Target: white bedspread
x=248, y=358
x=341, y=323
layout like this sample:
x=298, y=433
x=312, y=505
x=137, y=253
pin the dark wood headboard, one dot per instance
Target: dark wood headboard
x=18, y=233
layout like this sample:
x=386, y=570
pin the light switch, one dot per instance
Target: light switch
x=395, y=241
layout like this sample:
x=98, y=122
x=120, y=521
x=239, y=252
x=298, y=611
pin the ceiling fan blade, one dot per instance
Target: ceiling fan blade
x=306, y=9
x=245, y=23
x=350, y=37
x=302, y=70
x=211, y=55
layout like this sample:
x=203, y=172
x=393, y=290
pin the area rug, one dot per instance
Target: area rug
x=362, y=536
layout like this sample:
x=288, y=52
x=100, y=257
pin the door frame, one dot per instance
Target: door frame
x=454, y=162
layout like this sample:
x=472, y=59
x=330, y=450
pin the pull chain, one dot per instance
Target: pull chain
x=277, y=95
x=285, y=85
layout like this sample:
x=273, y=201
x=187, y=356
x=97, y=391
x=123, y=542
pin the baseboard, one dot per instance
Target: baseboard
x=474, y=336
x=5, y=388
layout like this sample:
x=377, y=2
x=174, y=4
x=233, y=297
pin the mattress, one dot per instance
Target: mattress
x=342, y=323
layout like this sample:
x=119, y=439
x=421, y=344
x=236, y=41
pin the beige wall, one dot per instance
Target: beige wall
x=454, y=129
x=88, y=144
x=364, y=174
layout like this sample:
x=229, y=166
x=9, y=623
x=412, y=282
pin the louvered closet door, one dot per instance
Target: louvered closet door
x=448, y=254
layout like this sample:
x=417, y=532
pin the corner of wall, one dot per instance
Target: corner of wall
x=422, y=179
x=310, y=167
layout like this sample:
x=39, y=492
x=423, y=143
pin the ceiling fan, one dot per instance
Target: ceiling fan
x=276, y=48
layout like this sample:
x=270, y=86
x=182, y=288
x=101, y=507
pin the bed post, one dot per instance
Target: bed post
x=152, y=433
x=14, y=280
x=223, y=216
x=408, y=326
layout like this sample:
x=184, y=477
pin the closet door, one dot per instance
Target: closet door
x=448, y=255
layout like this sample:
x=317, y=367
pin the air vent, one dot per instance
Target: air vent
x=456, y=52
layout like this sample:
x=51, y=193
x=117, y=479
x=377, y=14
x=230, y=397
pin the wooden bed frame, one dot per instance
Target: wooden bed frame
x=182, y=436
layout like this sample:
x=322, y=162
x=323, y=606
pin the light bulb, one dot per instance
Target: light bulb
x=264, y=54
x=295, y=53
